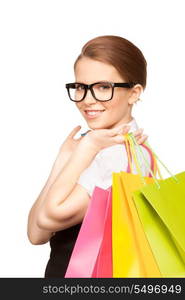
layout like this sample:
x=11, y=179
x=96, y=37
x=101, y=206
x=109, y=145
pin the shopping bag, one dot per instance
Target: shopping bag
x=161, y=209
x=162, y=213
x=132, y=255
x=84, y=260
x=103, y=267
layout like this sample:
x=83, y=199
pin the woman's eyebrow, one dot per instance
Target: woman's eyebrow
x=102, y=80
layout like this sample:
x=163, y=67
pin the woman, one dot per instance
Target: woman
x=110, y=75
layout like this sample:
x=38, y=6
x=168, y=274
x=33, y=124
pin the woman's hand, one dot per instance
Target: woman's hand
x=139, y=136
x=98, y=139
x=103, y=138
x=70, y=143
x=66, y=150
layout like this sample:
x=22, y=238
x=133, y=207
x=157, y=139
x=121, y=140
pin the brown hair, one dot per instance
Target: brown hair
x=120, y=53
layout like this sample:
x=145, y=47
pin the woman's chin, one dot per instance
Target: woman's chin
x=98, y=125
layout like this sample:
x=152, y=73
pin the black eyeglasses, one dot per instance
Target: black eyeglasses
x=101, y=91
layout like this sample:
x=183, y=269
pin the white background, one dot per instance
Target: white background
x=39, y=42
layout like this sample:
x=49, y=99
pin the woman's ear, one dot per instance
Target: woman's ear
x=135, y=94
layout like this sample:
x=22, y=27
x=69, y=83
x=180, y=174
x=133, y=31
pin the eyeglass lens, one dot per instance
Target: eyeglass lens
x=102, y=91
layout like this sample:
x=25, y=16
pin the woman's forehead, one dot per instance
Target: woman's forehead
x=88, y=71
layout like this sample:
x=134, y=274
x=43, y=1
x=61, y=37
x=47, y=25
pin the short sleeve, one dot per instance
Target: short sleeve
x=109, y=160
x=90, y=177
x=114, y=159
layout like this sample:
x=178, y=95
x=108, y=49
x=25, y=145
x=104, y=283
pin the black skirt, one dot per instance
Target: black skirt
x=62, y=244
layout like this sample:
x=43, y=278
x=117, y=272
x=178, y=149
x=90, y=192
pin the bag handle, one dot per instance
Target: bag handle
x=136, y=147
x=137, y=161
x=129, y=155
x=156, y=157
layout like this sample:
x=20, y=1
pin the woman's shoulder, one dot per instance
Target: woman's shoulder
x=115, y=159
x=110, y=150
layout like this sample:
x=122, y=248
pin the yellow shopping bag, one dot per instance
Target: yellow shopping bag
x=131, y=252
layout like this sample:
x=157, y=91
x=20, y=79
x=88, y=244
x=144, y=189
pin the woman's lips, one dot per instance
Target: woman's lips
x=91, y=114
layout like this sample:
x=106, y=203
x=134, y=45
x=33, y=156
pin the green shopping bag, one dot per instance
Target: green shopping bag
x=161, y=209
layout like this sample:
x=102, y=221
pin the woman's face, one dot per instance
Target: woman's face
x=114, y=112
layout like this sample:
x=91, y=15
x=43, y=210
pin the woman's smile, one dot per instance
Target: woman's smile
x=92, y=113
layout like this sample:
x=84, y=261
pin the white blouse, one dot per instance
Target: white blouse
x=109, y=160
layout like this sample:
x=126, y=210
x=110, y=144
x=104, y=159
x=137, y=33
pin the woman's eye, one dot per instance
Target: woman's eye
x=79, y=87
x=104, y=87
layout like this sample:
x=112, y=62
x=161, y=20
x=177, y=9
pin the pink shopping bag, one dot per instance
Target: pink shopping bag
x=103, y=267
x=88, y=244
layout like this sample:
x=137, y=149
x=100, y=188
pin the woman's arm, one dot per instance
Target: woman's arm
x=39, y=235
x=35, y=234
x=63, y=202
x=66, y=201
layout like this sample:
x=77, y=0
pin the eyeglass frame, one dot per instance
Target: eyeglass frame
x=90, y=87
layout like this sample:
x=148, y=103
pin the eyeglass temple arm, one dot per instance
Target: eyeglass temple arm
x=124, y=84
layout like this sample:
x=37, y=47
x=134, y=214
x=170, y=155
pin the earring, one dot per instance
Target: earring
x=138, y=99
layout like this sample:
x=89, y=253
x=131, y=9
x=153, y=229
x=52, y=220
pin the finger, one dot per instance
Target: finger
x=79, y=139
x=142, y=139
x=122, y=129
x=119, y=139
x=138, y=132
x=83, y=135
x=125, y=130
x=74, y=131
